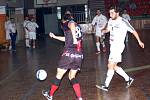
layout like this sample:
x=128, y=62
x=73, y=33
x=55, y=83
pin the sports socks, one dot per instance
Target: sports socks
x=54, y=86
x=76, y=87
x=122, y=73
x=98, y=46
x=103, y=44
x=27, y=42
x=110, y=74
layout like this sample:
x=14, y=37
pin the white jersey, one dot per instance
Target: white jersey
x=6, y=25
x=126, y=16
x=12, y=28
x=99, y=22
x=25, y=23
x=7, y=29
x=118, y=29
x=31, y=26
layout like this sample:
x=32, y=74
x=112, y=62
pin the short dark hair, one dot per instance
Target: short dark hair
x=97, y=9
x=116, y=8
x=67, y=17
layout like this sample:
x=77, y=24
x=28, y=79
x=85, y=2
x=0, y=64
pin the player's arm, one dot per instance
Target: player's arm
x=138, y=39
x=104, y=22
x=133, y=31
x=72, y=27
x=93, y=24
x=60, y=38
x=105, y=29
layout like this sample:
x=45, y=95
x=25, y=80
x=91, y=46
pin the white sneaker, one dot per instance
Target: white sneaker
x=80, y=98
x=129, y=82
x=28, y=46
x=46, y=94
x=10, y=48
x=103, y=87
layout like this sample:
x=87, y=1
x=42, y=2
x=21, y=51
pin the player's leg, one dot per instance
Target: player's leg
x=102, y=38
x=34, y=43
x=30, y=38
x=122, y=73
x=75, y=83
x=34, y=39
x=98, y=44
x=27, y=39
x=55, y=84
x=110, y=73
x=112, y=62
x=8, y=38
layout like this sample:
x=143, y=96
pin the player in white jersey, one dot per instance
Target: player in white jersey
x=25, y=23
x=99, y=22
x=31, y=27
x=118, y=27
x=126, y=16
x=13, y=33
x=7, y=22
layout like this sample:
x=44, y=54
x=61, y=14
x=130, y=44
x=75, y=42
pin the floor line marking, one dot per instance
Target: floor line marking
x=137, y=68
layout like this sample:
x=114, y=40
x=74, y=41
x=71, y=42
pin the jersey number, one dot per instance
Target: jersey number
x=78, y=32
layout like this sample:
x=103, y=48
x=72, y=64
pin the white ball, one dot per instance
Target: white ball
x=41, y=74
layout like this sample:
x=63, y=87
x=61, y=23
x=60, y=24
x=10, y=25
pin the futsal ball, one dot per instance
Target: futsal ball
x=41, y=74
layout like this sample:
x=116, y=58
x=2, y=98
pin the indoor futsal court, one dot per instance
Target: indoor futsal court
x=18, y=80
x=19, y=66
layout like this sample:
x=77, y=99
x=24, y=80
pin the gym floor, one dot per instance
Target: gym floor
x=18, y=69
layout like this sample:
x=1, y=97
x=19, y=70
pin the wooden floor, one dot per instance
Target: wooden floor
x=18, y=81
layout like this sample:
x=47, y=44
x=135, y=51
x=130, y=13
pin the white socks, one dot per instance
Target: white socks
x=110, y=74
x=27, y=42
x=103, y=44
x=98, y=46
x=122, y=73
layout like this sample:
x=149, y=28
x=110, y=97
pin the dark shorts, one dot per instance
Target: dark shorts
x=71, y=59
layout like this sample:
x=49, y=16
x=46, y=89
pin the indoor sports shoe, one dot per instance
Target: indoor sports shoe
x=102, y=87
x=129, y=82
x=46, y=94
x=98, y=52
x=80, y=98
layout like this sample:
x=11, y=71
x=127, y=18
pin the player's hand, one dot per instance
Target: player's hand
x=103, y=31
x=141, y=44
x=51, y=35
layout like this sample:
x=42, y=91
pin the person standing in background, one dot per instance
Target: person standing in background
x=118, y=27
x=13, y=33
x=126, y=16
x=31, y=27
x=25, y=23
x=7, y=22
x=99, y=22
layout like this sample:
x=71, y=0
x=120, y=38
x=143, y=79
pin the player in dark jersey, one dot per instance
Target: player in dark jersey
x=71, y=58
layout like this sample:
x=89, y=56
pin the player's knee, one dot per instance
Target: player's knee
x=56, y=81
x=110, y=66
x=70, y=76
x=73, y=81
x=59, y=75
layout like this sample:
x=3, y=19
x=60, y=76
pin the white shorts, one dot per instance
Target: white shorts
x=99, y=33
x=26, y=34
x=116, y=53
x=7, y=36
x=32, y=35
